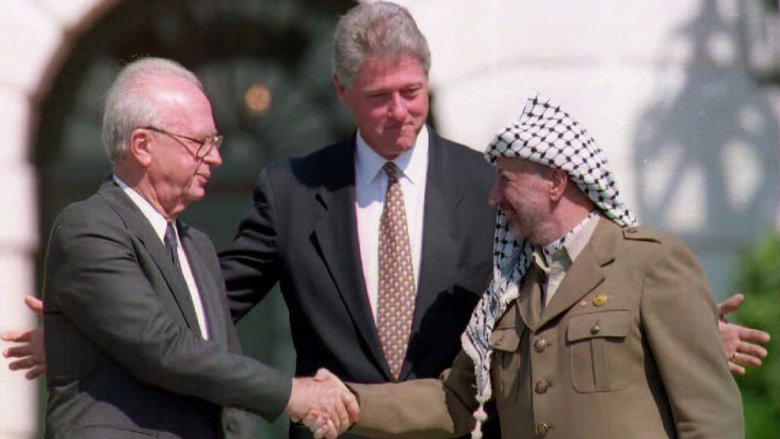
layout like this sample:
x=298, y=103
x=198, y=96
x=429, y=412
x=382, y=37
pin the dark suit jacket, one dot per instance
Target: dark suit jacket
x=125, y=358
x=301, y=232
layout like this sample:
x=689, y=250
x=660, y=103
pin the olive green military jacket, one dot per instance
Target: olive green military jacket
x=628, y=347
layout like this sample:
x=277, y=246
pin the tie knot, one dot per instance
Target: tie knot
x=170, y=235
x=391, y=169
x=541, y=262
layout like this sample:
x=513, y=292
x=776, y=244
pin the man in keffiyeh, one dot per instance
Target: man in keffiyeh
x=591, y=328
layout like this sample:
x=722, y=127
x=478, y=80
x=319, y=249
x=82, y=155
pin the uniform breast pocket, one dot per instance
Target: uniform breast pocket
x=592, y=341
x=506, y=360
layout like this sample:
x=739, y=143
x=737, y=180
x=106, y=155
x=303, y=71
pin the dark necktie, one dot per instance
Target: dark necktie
x=396, y=276
x=172, y=244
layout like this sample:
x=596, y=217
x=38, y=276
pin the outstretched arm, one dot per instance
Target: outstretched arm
x=322, y=394
x=740, y=344
x=251, y=265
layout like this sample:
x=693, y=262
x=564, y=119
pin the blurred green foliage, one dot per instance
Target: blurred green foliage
x=758, y=277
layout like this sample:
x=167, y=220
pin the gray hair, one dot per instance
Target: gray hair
x=129, y=102
x=380, y=29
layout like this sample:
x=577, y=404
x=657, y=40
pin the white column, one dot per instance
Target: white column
x=33, y=32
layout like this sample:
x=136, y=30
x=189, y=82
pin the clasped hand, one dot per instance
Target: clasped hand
x=323, y=403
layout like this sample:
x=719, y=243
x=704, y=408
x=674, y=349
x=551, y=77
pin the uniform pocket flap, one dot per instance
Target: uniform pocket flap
x=505, y=339
x=599, y=324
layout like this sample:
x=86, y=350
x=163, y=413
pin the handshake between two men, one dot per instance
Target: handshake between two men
x=323, y=403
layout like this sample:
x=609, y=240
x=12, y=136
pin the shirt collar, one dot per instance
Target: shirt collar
x=569, y=245
x=412, y=163
x=158, y=222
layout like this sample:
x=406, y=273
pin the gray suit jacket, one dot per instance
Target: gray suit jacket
x=125, y=358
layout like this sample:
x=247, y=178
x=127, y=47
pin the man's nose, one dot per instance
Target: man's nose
x=398, y=109
x=213, y=158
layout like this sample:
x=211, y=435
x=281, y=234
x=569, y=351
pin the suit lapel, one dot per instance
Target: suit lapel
x=586, y=273
x=140, y=227
x=442, y=193
x=335, y=235
x=531, y=285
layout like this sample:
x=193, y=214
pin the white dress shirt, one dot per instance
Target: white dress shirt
x=370, y=188
x=557, y=258
x=159, y=224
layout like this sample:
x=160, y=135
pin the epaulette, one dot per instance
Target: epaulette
x=636, y=233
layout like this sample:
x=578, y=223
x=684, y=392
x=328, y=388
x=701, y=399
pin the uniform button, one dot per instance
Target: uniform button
x=542, y=429
x=595, y=329
x=542, y=386
x=540, y=345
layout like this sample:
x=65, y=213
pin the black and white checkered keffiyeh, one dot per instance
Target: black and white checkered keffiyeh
x=547, y=135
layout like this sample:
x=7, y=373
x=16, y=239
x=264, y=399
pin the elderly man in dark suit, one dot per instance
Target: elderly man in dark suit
x=592, y=327
x=138, y=335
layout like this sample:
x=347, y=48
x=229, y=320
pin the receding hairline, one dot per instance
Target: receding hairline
x=145, y=76
x=166, y=90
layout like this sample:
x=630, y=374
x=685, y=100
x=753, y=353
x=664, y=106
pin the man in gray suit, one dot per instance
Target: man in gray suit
x=138, y=335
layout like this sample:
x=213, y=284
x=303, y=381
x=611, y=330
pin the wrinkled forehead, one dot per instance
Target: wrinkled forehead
x=396, y=68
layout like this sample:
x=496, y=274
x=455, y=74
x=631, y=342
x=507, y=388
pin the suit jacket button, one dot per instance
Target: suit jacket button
x=542, y=386
x=540, y=345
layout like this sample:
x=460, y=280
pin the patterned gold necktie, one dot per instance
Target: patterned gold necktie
x=396, y=276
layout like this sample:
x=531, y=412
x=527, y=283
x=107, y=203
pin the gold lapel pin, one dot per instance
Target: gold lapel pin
x=600, y=299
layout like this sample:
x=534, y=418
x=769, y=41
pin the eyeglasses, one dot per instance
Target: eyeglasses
x=206, y=144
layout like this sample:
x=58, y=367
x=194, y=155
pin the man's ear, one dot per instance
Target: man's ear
x=341, y=90
x=559, y=179
x=140, y=147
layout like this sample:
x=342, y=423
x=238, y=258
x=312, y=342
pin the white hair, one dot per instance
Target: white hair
x=128, y=104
